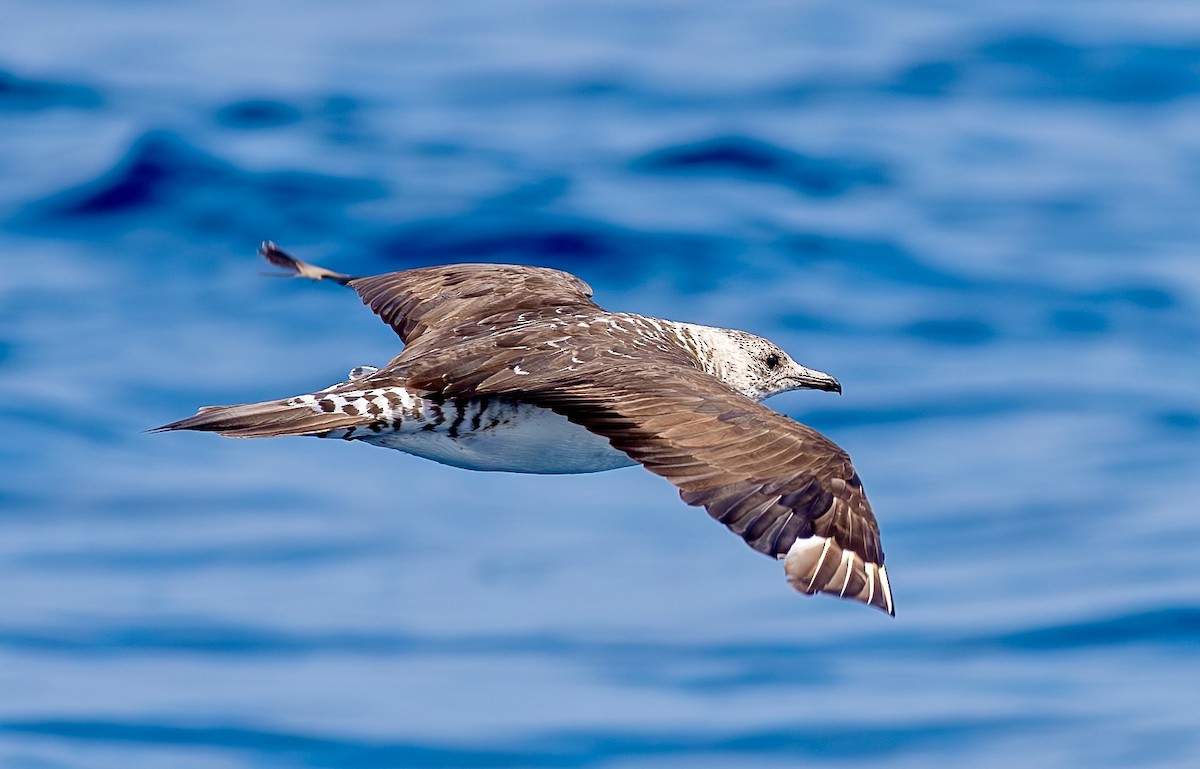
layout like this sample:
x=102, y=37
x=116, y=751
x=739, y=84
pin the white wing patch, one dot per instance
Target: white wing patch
x=810, y=570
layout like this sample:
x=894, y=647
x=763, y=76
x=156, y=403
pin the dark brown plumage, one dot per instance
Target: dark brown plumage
x=528, y=335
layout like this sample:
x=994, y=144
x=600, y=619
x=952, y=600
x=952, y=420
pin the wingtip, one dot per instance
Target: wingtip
x=280, y=258
x=820, y=565
x=887, y=592
x=277, y=256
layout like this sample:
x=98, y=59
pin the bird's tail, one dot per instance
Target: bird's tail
x=302, y=415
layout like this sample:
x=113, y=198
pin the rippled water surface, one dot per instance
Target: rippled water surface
x=984, y=221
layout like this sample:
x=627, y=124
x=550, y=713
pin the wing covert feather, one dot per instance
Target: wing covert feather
x=442, y=298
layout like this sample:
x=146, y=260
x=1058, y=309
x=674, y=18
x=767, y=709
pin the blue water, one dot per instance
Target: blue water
x=984, y=220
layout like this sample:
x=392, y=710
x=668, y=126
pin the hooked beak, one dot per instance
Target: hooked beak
x=815, y=380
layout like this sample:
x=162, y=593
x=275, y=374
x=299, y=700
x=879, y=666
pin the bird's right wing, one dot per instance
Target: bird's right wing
x=787, y=490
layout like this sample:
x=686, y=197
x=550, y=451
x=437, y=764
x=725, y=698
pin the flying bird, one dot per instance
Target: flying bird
x=514, y=368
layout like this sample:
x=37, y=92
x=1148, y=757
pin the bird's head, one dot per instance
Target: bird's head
x=757, y=367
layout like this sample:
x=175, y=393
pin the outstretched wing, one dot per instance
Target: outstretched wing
x=450, y=296
x=787, y=490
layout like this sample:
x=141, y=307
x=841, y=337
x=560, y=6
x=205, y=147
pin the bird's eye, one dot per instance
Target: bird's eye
x=772, y=360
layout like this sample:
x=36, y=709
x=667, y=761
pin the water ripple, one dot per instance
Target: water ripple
x=1173, y=626
x=750, y=159
x=26, y=94
x=567, y=748
x=1038, y=65
x=162, y=177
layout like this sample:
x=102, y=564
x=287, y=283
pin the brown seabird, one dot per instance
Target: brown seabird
x=515, y=369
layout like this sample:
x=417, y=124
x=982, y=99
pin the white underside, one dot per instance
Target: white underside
x=530, y=440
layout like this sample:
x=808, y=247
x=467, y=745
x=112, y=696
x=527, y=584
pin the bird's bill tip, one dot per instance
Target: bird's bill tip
x=811, y=379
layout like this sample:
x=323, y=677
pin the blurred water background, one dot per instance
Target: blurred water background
x=983, y=218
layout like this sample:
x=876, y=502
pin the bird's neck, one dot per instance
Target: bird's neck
x=715, y=351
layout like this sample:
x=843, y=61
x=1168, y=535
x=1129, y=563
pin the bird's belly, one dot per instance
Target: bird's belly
x=503, y=436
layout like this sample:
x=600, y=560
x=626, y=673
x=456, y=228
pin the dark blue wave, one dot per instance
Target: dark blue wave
x=164, y=182
x=1177, y=626
x=27, y=94
x=1113, y=72
x=874, y=260
x=258, y=113
x=167, y=558
x=1038, y=65
x=750, y=159
x=698, y=667
x=1180, y=420
x=207, y=637
x=608, y=255
x=694, y=667
x=810, y=740
x=334, y=118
